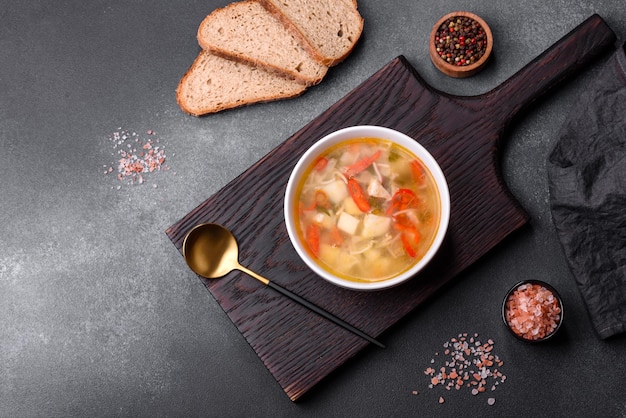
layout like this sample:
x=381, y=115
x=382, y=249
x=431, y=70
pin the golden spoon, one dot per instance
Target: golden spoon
x=211, y=251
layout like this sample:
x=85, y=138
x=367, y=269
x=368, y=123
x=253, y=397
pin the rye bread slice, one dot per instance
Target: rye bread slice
x=214, y=83
x=328, y=29
x=247, y=32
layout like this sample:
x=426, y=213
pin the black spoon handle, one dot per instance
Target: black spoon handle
x=323, y=313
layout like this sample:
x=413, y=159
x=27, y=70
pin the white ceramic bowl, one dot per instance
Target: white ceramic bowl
x=358, y=132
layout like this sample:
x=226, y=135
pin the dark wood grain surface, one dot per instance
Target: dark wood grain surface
x=462, y=133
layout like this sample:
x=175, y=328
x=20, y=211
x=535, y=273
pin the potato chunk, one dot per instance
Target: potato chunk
x=347, y=223
x=375, y=225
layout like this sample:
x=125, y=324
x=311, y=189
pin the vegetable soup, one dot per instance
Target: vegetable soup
x=368, y=209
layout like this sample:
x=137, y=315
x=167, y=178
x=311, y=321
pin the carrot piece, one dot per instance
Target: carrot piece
x=417, y=171
x=321, y=199
x=401, y=222
x=313, y=238
x=358, y=196
x=407, y=246
x=401, y=200
x=361, y=165
x=336, y=237
x=408, y=233
x=321, y=164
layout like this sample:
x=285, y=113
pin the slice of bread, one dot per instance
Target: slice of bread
x=247, y=32
x=213, y=83
x=328, y=29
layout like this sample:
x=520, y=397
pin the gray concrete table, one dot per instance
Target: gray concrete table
x=99, y=315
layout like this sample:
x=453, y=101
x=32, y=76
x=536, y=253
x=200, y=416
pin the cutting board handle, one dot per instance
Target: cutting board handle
x=570, y=54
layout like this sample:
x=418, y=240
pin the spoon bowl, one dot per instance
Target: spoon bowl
x=211, y=251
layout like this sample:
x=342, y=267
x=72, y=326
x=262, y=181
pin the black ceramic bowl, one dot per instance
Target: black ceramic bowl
x=532, y=311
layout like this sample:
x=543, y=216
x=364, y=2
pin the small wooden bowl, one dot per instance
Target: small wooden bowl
x=460, y=71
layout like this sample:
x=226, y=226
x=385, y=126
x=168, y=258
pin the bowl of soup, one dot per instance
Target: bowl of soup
x=367, y=207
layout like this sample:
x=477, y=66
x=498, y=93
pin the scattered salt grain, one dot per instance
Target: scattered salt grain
x=136, y=157
x=468, y=364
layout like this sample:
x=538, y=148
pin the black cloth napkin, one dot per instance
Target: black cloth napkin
x=587, y=181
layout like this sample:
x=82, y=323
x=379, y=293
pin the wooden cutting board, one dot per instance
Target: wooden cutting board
x=463, y=134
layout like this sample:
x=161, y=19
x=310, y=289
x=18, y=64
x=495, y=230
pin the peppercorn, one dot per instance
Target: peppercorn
x=461, y=40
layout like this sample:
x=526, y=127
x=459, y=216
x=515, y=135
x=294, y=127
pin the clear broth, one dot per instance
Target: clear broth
x=368, y=209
